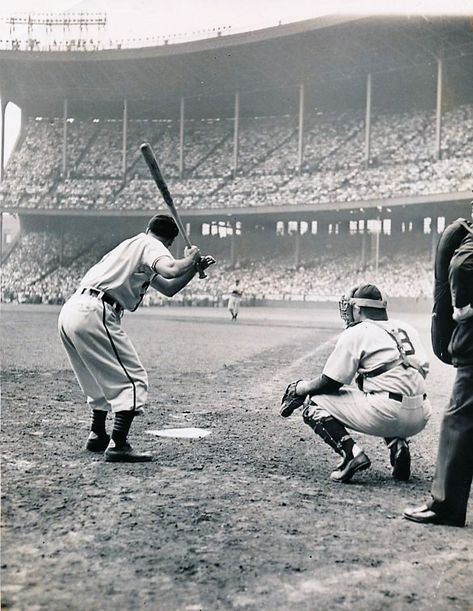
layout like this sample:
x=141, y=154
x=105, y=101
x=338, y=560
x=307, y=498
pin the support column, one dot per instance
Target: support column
x=1, y=237
x=64, y=137
x=368, y=122
x=376, y=247
x=233, y=244
x=300, y=147
x=124, y=138
x=435, y=238
x=297, y=249
x=61, y=247
x=236, y=133
x=181, y=139
x=438, y=117
x=3, y=108
x=363, y=247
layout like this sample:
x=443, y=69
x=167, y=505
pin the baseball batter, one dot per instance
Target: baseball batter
x=389, y=363
x=102, y=356
x=234, y=300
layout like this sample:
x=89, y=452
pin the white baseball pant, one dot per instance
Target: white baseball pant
x=102, y=356
x=373, y=413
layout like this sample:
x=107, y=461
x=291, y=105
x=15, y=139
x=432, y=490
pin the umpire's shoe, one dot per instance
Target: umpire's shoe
x=400, y=458
x=425, y=515
x=349, y=466
x=97, y=443
x=124, y=453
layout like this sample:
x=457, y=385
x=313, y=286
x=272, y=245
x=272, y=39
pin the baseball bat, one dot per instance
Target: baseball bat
x=153, y=166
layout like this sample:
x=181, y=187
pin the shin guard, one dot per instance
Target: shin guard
x=331, y=431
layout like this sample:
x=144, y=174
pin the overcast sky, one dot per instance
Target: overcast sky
x=144, y=18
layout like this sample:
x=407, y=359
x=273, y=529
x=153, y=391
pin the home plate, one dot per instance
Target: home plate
x=184, y=433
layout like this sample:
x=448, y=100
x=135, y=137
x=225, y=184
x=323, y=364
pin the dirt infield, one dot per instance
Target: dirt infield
x=242, y=519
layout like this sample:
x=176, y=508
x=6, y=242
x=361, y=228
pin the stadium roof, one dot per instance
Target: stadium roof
x=321, y=53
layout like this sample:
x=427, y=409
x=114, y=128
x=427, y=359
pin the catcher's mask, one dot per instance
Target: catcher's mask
x=364, y=296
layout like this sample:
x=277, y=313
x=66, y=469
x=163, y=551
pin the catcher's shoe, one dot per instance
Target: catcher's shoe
x=124, y=453
x=400, y=458
x=349, y=466
x=96, y=443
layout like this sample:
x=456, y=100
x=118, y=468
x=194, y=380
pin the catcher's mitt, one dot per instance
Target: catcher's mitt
x=290, y=400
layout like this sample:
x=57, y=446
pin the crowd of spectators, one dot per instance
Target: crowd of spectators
x=43, y=268
x=402, y=161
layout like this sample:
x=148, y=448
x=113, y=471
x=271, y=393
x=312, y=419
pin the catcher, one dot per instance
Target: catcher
x=390, y=365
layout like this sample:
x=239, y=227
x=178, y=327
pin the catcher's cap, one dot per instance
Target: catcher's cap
x=163, y=226
x=368, y=296
x=363, y=296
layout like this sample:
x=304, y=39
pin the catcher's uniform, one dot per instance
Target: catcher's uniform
x=391, y=397
x=102, y=356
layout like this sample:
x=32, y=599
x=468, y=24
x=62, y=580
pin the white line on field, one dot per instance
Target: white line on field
x=347, y=579
x=289, y=372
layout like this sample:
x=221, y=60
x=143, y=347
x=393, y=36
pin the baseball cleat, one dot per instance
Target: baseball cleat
x=96, y=443
x=400, y=457
x=348, y=468
x=125, y=453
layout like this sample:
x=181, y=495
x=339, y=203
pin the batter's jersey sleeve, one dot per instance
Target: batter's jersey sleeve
x=153, y=251
x=126, y=272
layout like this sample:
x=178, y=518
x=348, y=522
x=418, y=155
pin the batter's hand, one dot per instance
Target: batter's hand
x=192, y=252
x=206, y=261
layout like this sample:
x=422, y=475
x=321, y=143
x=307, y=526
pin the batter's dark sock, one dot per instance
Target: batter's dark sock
x=98, y=422
x=121, y=427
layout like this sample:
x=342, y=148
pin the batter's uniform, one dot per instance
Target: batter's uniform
x=101, y=354
x=390, y=399
x=234, y=302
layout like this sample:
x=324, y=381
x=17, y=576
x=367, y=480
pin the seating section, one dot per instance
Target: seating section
x=37, y=271
x=402, y=161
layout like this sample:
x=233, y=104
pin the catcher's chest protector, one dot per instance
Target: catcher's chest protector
x=442, y=322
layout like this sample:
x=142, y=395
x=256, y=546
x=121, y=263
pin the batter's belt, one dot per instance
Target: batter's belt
x=104, y=297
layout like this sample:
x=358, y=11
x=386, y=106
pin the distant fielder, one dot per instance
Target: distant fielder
x=102, y=356
x=390, y=365
x=234, y=300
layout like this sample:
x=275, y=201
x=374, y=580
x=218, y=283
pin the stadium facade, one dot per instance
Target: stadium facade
x=357, y=68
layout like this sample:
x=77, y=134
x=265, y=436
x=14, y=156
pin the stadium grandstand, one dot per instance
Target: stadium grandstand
x=303, y=156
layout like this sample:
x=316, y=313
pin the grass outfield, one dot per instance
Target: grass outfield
x=244, y=518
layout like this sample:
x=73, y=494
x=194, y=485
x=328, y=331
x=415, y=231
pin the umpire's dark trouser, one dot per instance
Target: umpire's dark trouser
x=454, y=470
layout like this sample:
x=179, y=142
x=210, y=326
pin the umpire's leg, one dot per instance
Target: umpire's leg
x=454, y=468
